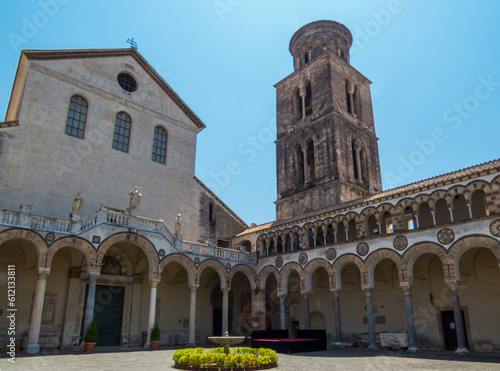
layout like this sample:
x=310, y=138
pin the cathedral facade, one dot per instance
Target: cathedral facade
x=102, y=217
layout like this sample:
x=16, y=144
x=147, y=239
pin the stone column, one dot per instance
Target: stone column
x=192, y=317
x=324, y=237
x=89, y=309
x=346, y=233
x=459, y=321
x=370, y=320
x=433, y=217
x=225, y=310
x=306, y=166
x=152, y=311
x=470, y=210
x=36, y=314
x=283, y=311
x=417, y=222
x=335, y=236
x=307, y=318
x=338, y=323
x=303, y=96
x=412, y=337
x=451, y=214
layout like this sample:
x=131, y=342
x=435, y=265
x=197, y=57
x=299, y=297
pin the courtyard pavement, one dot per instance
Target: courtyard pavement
x=336, y=359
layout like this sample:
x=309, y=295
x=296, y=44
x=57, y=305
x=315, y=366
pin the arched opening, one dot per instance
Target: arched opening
x=246, y=246
x=329, y=235
x=442, y=212
x=352, y=304
x=460, y=209
x=321, y=296
x=288, y=243
x=279, y=246
x=409, y=218
x=320, y=238
x=299, y=156
x=294, y=305
x=352, y=230
x=299, y=109
x=271, y=318
x=272, y=247
x=425, y=219
x=308, y=99
x=243, y=323
x=296, y=242
x=478, y=204
x=341, y=235
x=310, y=238
x=355, y=160
x=209, y=296
x=364, y=164
x=372, y=226
x=311, y=168
x=387, y=224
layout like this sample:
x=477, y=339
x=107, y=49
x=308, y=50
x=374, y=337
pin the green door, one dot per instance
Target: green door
x=108, y=311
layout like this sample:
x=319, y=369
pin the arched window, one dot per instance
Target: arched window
x=329, y=235
x=295, y=241
x=478, y=204
x=320, y=238
x=387, y=225
x=300, y=165
x=372, y=225
x=121, y=136
x=310, y=234
x=460, y=209
x=409, y=218
x=308, y=99
x=341, y=235
x=311, y=168
x=288, y=244
x=160, y=145
x=280, y=247
x=306, y=57
x=272, y=248
x=211, y=212
x=299, y=109
x=352, y=230
x=77, y=116
x=425, y=216
x=442, y=212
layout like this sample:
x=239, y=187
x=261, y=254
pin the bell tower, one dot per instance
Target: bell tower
x=326, y=147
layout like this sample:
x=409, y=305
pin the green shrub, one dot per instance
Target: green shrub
x=155, y=333
x=217, y=357
x=91, y=336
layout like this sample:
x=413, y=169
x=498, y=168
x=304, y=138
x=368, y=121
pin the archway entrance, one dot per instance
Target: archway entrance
x=108, y=313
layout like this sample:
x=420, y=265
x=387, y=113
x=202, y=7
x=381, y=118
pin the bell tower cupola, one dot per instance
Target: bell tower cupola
x=326, y=147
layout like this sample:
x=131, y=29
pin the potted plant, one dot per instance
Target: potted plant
x=155, y=337
x=91, y=337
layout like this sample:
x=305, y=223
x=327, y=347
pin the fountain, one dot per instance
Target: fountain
x=226, y=340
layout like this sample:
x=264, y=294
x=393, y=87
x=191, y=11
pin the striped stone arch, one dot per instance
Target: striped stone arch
x=219, y=268
x=23, y=234
x=341, y=262
x=286, y=231
x=482, y=185
x=437, y=195
x=404, y=203
x=495, y=195
x=495, y=184
x=295, y=229
x=247, y=271
x=459, y=190
x=183, y=261
x=317, y=223
x=146, y=246
x=382, y=208
x=367, y=211
x=337, y=219
x=264, y=274
x=352, y=215
x=78, y=243
x=312, y=267
x=423, y=198
x=464, y=244
x=412, y=253
x=285, y=274
x=308, y=226
x=377, y=256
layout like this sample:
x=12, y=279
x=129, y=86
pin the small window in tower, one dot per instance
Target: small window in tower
x=306, y=58
x=298, y=104
x=308, y=100
x=127, y=82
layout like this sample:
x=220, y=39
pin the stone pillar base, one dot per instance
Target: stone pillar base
x=462, y=351
x=191, y=344
x=413, y=350
x=147, y=346
x=338, y=345
x=33, y=348
x=373, y=347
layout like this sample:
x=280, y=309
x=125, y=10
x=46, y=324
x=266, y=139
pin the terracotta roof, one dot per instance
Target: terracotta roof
x=220, y=202
x=257, y=228
x=430, y=183
x=104, y=53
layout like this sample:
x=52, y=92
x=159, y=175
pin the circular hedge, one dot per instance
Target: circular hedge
x=216, y=359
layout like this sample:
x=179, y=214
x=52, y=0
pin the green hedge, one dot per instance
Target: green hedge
x=217, y=357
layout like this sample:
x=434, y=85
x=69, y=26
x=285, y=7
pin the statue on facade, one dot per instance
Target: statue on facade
x=135, y=197
x=75, y=208
x=178, y=224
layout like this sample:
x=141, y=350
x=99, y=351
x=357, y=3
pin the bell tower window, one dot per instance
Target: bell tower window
x=308, y=99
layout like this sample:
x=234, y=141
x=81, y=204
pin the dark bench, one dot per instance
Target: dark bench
x=307, y=341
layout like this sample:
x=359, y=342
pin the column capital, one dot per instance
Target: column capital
x=193, y=288
x=406, y=289
x=305, y=294
x=93, y=276
x=368, y=291
x=43, y=273
x=225, y=291
x=453, y=284
x=154, y=283
x=282, y=296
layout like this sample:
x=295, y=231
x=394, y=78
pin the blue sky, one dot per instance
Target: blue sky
x=435, y=68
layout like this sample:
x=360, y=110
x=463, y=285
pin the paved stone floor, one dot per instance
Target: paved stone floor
x=339, y=359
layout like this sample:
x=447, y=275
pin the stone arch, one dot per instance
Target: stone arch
x=146, y=245
x=312, y=266
x=185, y=262
x=338, y=218
x=437, y=195
x=368, y=211
x=468, y=242
x=285, y=274
x=247, y=271
x=78, y=243
x=377, y=256
x=264, y=273
x=458, y=190
x=341, y=262
x=411, y=255
x=219, y=268
x=352, y=215
x=36, y=239
x=421, y=198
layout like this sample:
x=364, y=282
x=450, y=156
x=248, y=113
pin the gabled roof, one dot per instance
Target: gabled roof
x=245, y=225
x=106, y=53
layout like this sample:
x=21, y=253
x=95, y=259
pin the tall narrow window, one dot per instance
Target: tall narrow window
x=299, y=110
x=311, y=169
x=355, y=160
x=121, y=136
x=159, y=145
x=77, y=116
x=300, y=165
x=308, y=100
